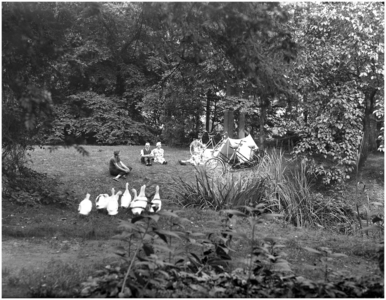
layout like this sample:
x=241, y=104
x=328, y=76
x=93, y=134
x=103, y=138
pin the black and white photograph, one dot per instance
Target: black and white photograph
x=193, y=149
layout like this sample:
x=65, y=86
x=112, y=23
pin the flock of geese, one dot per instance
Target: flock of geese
x=136, y=204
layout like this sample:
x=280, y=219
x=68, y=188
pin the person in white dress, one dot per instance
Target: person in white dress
x=196, y=149
x=158, y=154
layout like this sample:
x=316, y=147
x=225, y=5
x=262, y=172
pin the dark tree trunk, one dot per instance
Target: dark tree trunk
x=231, y=124
x=306, y=111
x=263, y=116
x=207, y=115
x=369, y=127
x=120, y=85
x=231, y=91
x=241, y=125
x=214, y=118
x=197, y=122
x=226, y=122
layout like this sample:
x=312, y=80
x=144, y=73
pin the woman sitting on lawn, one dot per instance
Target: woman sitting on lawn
x=159, y=154
x=117, y=167
x=196, y=149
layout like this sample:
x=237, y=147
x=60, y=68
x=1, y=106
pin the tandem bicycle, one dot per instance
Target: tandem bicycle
x=211, y=147
x=221, y=163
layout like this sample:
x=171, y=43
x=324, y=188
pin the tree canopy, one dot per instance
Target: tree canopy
x=121, y=72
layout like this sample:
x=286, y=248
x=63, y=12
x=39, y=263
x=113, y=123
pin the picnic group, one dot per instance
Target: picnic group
x=147, y=156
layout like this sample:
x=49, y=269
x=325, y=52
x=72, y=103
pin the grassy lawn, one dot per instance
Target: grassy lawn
x=45, y=234
x=90, y=174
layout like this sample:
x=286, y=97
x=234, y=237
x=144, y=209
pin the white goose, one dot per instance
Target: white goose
x=126, y=197
x=155, y=204
x=101, y=201
x=112, y=206
x=85, y=206
x=138, y=205
x=108, y=198
x=134, y=198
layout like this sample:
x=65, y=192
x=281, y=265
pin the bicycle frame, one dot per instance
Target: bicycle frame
x=237, y=155
x=212, y=143
x=236, y=161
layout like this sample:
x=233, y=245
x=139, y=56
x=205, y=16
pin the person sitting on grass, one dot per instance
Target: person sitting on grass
x=159, y=154
x=196, y=149
x=146, y=155
x=117, y=167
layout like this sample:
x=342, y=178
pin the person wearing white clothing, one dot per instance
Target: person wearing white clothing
x=158, y=154
x=196, y=149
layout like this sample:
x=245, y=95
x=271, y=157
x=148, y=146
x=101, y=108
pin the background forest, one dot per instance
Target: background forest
x=124, y=73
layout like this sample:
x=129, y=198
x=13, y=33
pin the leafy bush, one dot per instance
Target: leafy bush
x=335, y=133
x=22, y=120
x=156, y=268
x=93, y=118
x=32, y=188
x=14, y=159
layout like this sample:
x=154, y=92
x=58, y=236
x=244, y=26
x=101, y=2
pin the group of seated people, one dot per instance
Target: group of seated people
x=157, y=154
x=119, y=169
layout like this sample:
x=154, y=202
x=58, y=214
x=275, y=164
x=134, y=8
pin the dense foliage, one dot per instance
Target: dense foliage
x=90, y=117
x=157, y=269
x=309, y=71
x=113, y=73
x=340, y=80
x=148, y=71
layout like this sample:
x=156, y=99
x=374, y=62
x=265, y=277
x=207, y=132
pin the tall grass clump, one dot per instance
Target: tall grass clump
x=291, y=194
x=229, y=190
x=284, y=186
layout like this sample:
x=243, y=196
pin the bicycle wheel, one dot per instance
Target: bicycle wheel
x=256, y=159
x=214, y=167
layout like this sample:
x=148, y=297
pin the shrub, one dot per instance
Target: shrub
x=155, y=267
x=284, y=187
x=334, y=132
x=32, y=188
x=230, y=190
x=148, y=272
x=14, y=159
